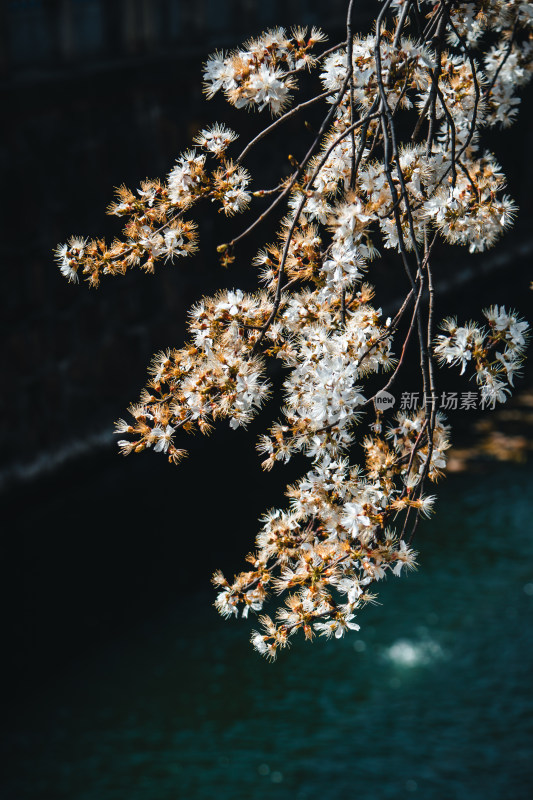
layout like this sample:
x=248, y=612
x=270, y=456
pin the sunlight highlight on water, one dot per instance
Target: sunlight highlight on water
x=407, y=653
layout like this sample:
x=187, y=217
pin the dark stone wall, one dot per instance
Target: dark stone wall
x=99, y=93
x=48, y=34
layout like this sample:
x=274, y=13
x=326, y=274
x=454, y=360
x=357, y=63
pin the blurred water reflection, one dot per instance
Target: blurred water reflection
x=431, y=699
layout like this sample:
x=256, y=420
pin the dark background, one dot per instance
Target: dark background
x=94, y=94
x=97, y=93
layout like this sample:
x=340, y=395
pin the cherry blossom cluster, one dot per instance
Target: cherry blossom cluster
x=440, y=73
x=154, y=231
x=324, y=553
x=262, y=72
x=322, y=388
x=497, y=352
x=155, y=226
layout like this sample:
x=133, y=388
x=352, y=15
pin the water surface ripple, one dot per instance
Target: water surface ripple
x=432, y=698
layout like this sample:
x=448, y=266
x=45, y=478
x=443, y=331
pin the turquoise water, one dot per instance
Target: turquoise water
x=431, y=699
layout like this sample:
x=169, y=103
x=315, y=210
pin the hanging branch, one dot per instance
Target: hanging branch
x=358, y=187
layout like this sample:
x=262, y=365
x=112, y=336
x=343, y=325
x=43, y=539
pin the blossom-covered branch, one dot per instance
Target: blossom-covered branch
x=439, y=73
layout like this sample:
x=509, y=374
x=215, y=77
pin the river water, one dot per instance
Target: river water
x=431, y=699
